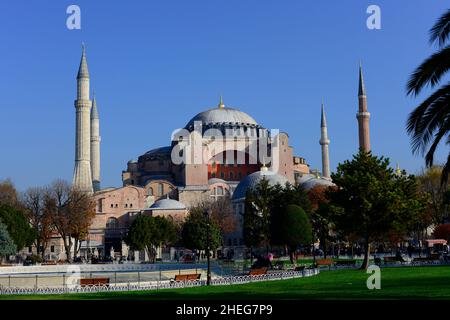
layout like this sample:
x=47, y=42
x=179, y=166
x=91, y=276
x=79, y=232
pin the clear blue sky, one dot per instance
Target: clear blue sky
x=155, y=64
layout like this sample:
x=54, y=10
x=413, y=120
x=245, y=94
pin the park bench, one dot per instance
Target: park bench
x=187, y=277
x=325, y=262
x=299, y=268
x=49, y=263
x=258, y=272
x=426, y=259
x=393, y=260
x=94, y=282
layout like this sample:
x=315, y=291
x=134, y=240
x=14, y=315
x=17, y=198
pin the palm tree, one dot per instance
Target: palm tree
x=429, y=123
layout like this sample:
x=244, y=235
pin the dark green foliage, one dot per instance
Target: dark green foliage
x=294, y=228
x=265, y=215
x=194, y=232
x=18, y=226
x=370, y=201
x=257, y=218
x=7, y=245
x=147, y=233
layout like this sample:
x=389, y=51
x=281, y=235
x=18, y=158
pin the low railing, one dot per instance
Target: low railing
x=157, y=285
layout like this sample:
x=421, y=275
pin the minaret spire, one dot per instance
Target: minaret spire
x=361, y=88
x=82, y=177
x=324, y=142
x=363, y=115
x=95, y=145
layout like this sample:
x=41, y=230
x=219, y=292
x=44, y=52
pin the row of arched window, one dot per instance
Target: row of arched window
x=126, y=205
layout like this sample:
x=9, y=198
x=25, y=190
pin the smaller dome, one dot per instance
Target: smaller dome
x=167, y=204
x=310, y=181
x=216, y=180
x=251, y=181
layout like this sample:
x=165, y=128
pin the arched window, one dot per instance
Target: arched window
x=112, y=223
x=160, y=189
x=220, y=191
x=150, y=191
x=231, y=175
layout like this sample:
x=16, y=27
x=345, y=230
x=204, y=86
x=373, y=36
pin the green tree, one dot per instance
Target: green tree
x=166, y=232
x=258, y=214
x=429, y=122
x=18, y=226
x=7, y=245
x=295, y=229
x=252, y=224
x=281, y=198
x=194, y=232
x=148, y=232
x=370, y=201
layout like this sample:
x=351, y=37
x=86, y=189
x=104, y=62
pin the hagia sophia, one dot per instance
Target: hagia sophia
x=155, y=184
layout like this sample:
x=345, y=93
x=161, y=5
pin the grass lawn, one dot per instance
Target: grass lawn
x=431, y=282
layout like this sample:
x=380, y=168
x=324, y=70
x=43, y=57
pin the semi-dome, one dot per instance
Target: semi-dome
x=251, y=181
x=167, y=204
x=223, y=115
x=160, y=150
x=310, y=181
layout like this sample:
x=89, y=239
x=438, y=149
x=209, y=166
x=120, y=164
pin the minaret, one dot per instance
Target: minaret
x=95, y=146
x=82, y=178
x=363, y=115
x=324, y=142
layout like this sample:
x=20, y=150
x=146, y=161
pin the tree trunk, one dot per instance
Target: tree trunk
x=75, y=248
x=352, y=250
x=324, y=248
x=292, y=250
x=365, y=263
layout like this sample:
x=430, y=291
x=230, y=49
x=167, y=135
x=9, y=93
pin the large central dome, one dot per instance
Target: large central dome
x=223, y=116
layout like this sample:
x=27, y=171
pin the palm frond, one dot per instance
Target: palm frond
x=441, y=30
x=427, y=117
x=429, y=72
x=445, y=172
x=443, y=130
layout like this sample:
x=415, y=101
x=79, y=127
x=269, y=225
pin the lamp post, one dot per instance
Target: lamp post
x=208, y=272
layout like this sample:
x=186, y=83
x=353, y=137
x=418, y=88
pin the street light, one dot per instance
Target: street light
x=208, y=272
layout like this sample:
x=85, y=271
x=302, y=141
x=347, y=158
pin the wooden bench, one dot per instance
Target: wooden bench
x=187, y=277
x=49, y=263
x=94, y=282
x=426, y=259
x=325, y=262
x=258, y=272
x=299, y=268
x=393, y=259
